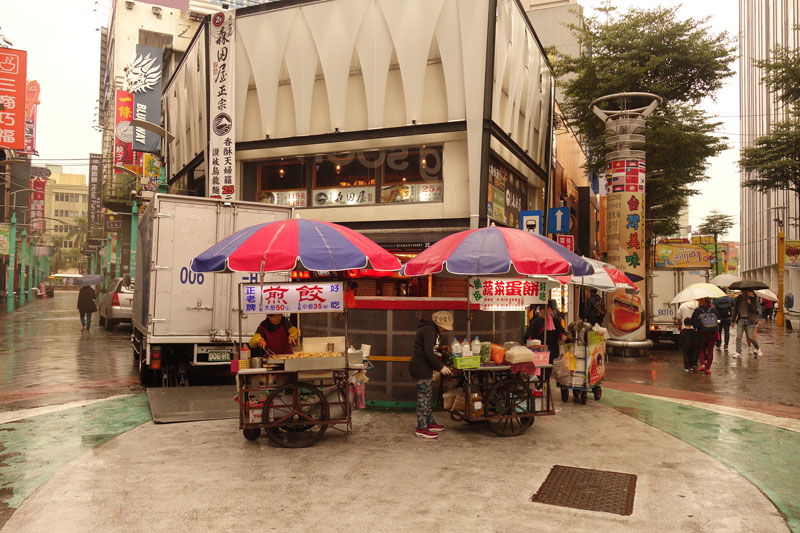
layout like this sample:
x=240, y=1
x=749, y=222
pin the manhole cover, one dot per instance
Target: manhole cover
x=584, y=488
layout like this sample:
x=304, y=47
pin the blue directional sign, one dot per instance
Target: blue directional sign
x=531, y=221
x=558, y=220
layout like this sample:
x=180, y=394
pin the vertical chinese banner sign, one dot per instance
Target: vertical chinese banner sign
x=13, y=69
x=31, y=104
x=220, y=178
x=37, y=203
x=123, y=133
x=626, y=245
x=95, y=180
x=151, y=171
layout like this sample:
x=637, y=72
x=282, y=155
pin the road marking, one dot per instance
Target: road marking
x=13, y=416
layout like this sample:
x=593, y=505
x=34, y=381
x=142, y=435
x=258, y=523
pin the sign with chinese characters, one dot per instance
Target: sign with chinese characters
x=37, y=203
x=298, y=198
x=143, y=81
x=567, y=241
x=151, y=171
x=345, y=196
x=123, y=133
x=5, y=239
x=221, y=144
x=13, y=69
x=506, y=294
x=682, y=256
x=702, y=239
x=31, y=105
x=95, y=179
x=114, y=223
x=507, y=194
x=311, y=297
x=412, y=193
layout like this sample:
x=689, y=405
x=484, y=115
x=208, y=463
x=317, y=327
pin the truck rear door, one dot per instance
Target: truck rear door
x=663, y=288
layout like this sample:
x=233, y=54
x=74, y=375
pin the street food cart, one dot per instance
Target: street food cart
x=294, y=397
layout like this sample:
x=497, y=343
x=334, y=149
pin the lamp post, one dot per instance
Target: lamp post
x=779, y=317
x=12, y=263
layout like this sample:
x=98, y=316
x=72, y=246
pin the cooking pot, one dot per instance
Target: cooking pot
x=256, y=362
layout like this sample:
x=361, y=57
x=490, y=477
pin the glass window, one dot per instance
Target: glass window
x=346, y=178
x=283, y=182
x=83, y=198
x=413, y=175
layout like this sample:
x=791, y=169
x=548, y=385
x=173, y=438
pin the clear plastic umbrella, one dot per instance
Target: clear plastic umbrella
x=697, y=291
x=767, y=295
x=725, y=280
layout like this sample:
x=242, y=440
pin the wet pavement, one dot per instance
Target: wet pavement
x=73, y=423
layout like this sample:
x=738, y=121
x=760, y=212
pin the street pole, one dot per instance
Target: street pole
x=23, y=257
x=781, y=252
x=29, y=283
x=134, y=224
x=12, y=263
x=716, y=255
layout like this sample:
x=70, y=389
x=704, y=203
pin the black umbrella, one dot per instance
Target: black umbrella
x=748, y=285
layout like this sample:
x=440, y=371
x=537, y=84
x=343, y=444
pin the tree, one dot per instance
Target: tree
x=782, y=73
x=716, y=224
x=652, y=51
x=78, y=231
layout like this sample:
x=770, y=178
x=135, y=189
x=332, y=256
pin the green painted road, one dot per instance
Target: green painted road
x=32, y=449
x=765, y=455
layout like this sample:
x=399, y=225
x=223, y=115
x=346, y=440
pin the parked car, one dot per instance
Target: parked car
x=115, y=304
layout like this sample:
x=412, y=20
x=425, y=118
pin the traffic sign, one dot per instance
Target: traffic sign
x=558, y=220
x=531, y=221
x=567, y=241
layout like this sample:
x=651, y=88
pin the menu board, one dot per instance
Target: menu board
x=504, y=294
x=312, y=297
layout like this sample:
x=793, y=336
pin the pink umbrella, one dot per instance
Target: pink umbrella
x=606, y=277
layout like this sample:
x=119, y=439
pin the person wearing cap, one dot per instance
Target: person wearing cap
x=423, y=363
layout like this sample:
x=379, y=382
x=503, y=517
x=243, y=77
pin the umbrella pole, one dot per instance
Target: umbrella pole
x=469, y=314
x=240, y=323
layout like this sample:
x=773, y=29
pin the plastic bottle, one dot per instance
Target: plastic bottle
x=455, y=348
x=476, y=346
x=465, y=347
x=476, y=403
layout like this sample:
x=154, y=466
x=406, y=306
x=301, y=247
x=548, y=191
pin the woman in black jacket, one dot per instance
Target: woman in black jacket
x=423, y=363
x=86, y=306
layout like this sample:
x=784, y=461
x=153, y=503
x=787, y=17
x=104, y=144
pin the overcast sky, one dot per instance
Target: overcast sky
x=63, y=47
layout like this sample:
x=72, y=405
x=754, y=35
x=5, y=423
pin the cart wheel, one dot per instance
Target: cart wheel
x=295, y=415
x=576, y=394
x=584, y=397
x=564, y=394
x=598, y=393
x=506, y=401
x=251, y=433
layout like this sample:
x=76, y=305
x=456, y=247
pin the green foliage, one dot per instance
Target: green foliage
x=773, y=162
x=716, y=223
x=782, y=74
x=652, y=51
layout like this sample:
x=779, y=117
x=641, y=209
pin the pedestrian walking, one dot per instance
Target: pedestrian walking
x=705, y=320
x=688, y=345
x=685, y=311
x=724, y=305
x=769, y=308
x=424, y=362
x=745, y=316
x=86, y=306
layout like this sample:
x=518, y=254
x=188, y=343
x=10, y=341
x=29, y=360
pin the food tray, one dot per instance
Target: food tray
x=314, y=363
x=463, y=363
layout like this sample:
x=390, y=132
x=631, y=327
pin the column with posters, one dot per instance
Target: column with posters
x=13, y=69
x=626, y=245
x=220, y=175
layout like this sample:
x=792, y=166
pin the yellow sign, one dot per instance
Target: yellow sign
x=792, y=259
x=682, y=256
x=702, y=239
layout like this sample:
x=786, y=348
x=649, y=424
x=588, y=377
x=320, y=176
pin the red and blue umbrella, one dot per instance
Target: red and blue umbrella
x=496, y=251
x=294, y=244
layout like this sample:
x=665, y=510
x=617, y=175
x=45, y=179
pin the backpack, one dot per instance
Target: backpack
x=724, y=307
x=708, y=321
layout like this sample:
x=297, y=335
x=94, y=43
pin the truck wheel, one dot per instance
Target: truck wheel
x=145, y=374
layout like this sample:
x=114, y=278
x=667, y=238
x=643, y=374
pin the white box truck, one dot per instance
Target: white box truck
x=663, y=285
x=180, y=317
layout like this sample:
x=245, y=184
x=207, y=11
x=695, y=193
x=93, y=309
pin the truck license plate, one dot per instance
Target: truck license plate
x=219, y=356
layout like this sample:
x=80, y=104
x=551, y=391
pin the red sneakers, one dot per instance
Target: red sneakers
x=708, y=371
x=426, y=434
x=702, y=367
x=435, y=427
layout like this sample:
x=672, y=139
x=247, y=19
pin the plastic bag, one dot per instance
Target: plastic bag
x=519, y=354
x=498, y=354
x=561, y=369
x=486, y=352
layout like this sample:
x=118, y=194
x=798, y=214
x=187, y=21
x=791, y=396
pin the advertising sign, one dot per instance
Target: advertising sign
x=13, y=69
x=114, y=223
x=220, y=158
x=312, y=297
x=682, y=256
x=123, y=131
x=298, y=198
x=792, y=259
x=95, y=180
x=346, y=196
x=502, y=294
x=5, y=239
x=412, y=193
x=31, y=105
x=567, y=241
x=507, y=194
x=37, y=203
x=151, y=171
x=143, y=81
x=702, y=239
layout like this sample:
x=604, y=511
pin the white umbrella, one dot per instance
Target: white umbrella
x=767, y=295
x=725, y=280
x=696, y=291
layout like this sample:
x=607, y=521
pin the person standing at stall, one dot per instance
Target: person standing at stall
x=423, y=363
x=595, y=308
x=86, y=306
x=555, y=333
x=275, y=334
x=535, y=329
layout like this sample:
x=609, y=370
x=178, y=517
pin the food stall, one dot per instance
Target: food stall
x=294, y=397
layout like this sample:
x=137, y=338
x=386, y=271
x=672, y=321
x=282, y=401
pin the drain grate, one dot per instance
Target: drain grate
x=584, y=488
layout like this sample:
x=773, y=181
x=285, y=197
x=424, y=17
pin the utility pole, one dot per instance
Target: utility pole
x=779, y=319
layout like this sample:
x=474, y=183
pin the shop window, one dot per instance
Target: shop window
x=346, y=178
x=412, y=175
x=283, y=182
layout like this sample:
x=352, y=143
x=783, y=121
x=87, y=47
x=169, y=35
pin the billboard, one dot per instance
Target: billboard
x=677, y=255
x=13, y=69
x=792, y=259
x=220, y=180
x=143, y=81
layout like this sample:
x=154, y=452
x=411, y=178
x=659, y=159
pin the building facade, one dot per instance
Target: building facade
x=66, y=203
x=765, y=24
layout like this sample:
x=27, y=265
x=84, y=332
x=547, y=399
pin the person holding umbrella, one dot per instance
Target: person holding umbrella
x=423, y=363
x=86, y=306
x=745, y=316
x=705, y=320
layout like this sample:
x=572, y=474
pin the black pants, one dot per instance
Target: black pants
x=689, y=357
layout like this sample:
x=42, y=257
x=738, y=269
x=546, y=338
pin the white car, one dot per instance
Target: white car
x=115, y=305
